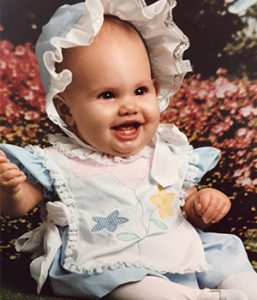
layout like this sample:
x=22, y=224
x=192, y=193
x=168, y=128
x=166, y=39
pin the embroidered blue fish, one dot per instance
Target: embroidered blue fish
x=110, y=223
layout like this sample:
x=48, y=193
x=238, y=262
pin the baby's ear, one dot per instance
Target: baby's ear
x=64, y=110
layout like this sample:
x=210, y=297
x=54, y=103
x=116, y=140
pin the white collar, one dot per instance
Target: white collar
x=166, y=151
x=72, y=149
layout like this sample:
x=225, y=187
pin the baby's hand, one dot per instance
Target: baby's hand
x=11, y=176
x=211, y=205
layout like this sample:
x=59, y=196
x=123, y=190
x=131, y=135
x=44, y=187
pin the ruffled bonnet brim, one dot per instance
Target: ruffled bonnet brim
x=77, y=25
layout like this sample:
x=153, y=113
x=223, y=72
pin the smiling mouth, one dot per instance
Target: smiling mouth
x=126, y=132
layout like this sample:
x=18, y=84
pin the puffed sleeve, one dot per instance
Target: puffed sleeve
x=207, y=159
x=201, y=160
x=31, y=164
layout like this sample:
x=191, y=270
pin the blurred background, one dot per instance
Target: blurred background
x=216, y=105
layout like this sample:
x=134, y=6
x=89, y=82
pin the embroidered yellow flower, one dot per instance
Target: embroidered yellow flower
x=163, y=200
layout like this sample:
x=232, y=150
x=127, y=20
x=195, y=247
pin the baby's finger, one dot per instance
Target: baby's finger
x=3, y=157
x=224, y=210
x=15, y=181
x=14, y=185
x=211, y=216
x=6, y=166
x=198, y=209
x=204, y=201
x=191, y=192
x=214, y=208
x=2, y=154
x=12, y=177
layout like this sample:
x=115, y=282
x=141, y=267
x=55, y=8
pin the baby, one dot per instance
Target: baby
x=122, y=211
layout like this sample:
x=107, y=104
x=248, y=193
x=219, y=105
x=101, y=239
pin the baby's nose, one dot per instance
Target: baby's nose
x=128, y=107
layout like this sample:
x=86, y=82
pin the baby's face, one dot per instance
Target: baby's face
x=112, y=99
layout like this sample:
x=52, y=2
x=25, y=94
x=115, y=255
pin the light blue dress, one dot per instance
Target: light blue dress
x=98, y=236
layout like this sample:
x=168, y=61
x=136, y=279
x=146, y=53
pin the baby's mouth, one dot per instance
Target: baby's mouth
x=127, y=126
x=127, y=131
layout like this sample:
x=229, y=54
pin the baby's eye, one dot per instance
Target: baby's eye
x=106, y=95
x=140, y=91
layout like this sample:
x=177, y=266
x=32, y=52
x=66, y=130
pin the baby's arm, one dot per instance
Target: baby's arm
x=17, y=195
x=206, y=206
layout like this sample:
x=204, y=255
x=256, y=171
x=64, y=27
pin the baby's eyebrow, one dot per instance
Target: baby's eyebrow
x=144, y=82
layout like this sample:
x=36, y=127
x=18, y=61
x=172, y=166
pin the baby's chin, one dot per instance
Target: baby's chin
x=125, y=153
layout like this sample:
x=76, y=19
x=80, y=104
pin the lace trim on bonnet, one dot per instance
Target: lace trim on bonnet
x=76, y=25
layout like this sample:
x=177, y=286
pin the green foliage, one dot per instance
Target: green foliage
x=218, y=37
x=243, y=44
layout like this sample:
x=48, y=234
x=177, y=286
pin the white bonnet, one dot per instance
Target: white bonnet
x=78, y=24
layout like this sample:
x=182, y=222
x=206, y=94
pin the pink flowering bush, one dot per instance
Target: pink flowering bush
x=21, y=94
x=22, y=97
x=218, y=111
x=221, y=112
